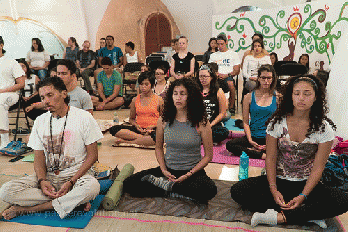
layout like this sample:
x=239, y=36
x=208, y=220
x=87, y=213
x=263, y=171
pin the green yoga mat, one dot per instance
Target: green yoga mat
x=115, y=192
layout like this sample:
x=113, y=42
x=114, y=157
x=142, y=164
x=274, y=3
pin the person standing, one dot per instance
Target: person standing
x=12, y=79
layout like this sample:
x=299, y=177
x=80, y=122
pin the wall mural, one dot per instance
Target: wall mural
x=17, y=35
x=314, y=28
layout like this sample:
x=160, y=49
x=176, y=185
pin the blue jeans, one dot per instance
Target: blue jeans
x=42, y=73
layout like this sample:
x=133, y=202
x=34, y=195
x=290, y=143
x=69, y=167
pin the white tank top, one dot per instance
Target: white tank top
x=132, y=59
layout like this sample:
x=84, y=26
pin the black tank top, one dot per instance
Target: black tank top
x=212, y=106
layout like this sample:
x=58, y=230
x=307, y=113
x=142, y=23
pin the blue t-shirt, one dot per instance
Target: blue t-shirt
x=109, y=83
x=113, y=54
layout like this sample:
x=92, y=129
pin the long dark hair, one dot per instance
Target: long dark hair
x=74, y=41
x=299, y=59
x=214, y=85
x=318, y=110
x=275, y=55
x=28, y=73
x=267, y=68
x=39, y=44
x=257, y=41
x=195, y=106
x=211, y=39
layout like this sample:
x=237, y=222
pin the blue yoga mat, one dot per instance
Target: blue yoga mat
x=76, y=219
x=230, y=125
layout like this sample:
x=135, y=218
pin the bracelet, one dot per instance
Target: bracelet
x=301, y=194
x=271, y=185
x=39, y=182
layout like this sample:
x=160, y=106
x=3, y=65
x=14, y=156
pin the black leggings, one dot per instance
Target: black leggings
x=113, y=130
x=198, y=186
x=323, y=202
x=220, y=133
x=237, y=145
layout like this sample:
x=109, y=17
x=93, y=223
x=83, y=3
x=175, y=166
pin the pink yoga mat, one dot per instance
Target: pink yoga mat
x=222, y=156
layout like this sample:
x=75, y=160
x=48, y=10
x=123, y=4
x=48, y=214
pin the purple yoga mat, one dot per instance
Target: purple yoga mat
x=222, y=156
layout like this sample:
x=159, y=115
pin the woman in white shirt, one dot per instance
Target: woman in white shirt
x=38, y=59
x=252, y=63
x=131, y=55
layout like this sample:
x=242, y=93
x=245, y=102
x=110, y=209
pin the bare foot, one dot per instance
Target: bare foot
x=87, y=207
x=118, y=141
x=12, y=212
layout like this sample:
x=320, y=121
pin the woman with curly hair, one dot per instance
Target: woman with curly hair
x=298, y=144
x=183, y=127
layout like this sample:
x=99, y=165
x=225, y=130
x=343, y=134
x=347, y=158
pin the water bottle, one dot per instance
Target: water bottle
x=243, y=167
x=116, y=119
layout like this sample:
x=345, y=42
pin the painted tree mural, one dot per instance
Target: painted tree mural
x=310, y=29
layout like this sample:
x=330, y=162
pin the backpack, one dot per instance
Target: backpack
x=335, y=173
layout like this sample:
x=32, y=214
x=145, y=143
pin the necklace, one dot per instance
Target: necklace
x=56, y=162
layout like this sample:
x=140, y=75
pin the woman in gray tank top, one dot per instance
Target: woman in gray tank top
x=183, y=127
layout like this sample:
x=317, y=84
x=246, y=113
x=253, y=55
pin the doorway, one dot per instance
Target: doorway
x=157, y=33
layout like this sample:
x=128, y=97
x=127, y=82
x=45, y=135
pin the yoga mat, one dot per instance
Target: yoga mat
x=230, y=125
x=220, y=208
x=29, y=158
x=78, y=218
x=222, y=156
x=115, y=192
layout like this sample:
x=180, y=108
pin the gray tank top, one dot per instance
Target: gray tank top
x=183, y=146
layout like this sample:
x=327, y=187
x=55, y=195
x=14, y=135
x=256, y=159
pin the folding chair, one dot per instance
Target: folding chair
x=291, y=69
x=133, y=69
x=19, y=106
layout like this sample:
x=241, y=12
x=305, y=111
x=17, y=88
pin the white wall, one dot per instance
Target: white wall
x=93, y=12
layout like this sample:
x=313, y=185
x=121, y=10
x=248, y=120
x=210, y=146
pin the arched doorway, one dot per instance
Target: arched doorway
x=157, y=33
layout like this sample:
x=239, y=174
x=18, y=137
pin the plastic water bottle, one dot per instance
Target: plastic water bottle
x=243, y=166
x=116, y=119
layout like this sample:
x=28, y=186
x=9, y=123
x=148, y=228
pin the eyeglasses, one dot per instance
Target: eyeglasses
x=159, y=73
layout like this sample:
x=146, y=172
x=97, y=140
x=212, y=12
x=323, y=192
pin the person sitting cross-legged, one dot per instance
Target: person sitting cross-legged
x=145, y=110
x=183, y=127
x=109, y=84
x=65, y=146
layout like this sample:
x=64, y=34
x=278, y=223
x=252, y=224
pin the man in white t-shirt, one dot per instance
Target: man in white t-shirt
x=229, y=66
x=65, y=145
x=12, y=79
